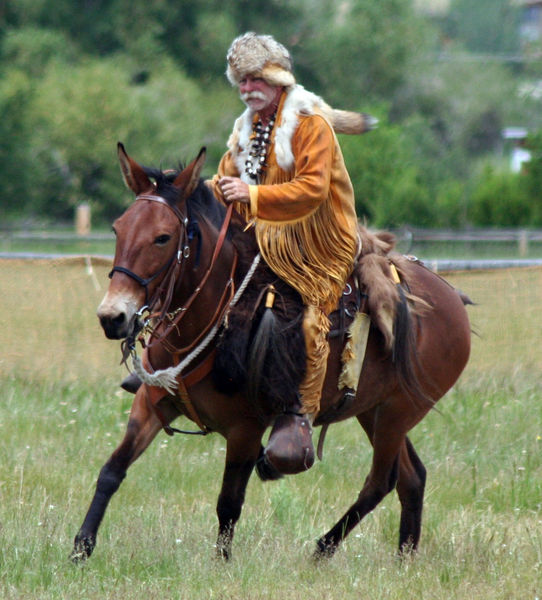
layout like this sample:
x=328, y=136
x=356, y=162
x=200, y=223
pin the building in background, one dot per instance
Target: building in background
x=531, y=22
x=514, y=141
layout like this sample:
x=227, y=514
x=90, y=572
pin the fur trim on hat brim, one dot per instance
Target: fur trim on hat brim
x=276, y=75
x=272, y=74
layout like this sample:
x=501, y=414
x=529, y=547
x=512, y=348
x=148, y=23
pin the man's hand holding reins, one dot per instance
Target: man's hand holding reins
x=234, y=190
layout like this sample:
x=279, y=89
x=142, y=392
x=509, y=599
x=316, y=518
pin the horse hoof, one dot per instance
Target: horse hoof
x=324, y=550
x=290, y=448
x=82, y=549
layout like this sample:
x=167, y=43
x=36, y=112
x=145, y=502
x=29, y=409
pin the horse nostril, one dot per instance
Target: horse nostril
x=119, y=320
x=114, y=327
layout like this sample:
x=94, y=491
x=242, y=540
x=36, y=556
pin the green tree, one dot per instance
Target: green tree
x=486, y=26
x=15, y=134
x=97, y=104
x=358, y=51
x=388, y=183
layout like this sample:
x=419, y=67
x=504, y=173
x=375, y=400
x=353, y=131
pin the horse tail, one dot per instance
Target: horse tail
x=404, y=351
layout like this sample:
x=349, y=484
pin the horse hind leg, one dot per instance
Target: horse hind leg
x=410, y=489
x=142, y=428
x=380, y=481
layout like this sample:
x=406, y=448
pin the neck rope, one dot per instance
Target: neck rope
x=259, y=141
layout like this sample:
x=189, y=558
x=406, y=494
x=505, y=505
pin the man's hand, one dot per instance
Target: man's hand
x=234, y=190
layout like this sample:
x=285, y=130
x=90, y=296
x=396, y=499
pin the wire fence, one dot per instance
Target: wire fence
x=441, y=250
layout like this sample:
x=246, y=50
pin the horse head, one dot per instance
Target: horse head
x=150, y=236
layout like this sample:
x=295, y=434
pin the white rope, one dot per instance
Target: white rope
x=167, y=378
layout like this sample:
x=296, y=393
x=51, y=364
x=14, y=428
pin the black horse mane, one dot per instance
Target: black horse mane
x=202, y=201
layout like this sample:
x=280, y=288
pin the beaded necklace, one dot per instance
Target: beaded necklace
x=259, y=142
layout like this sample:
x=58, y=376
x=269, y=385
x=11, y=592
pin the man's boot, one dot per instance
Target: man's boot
x=290, y=448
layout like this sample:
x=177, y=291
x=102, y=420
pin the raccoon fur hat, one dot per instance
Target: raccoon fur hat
x=261, y=56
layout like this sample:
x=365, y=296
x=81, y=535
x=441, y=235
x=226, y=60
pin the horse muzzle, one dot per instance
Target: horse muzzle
x=115, y=328
x=117, y=318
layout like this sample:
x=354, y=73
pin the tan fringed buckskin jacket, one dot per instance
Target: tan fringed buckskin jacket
x=303, y=208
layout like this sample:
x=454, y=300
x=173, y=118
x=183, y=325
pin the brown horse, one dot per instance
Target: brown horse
x=177, y=255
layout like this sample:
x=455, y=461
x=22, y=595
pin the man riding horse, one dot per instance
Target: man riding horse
x=285, y=172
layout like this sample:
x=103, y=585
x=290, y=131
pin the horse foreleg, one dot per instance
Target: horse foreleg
x=380, y=481
x=410, y=488
x=143, y=425
x=241, y=455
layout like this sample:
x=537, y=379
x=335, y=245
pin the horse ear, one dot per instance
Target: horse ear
x=188, y=179
x=134, y=176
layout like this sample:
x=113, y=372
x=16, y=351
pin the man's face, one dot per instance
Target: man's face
x=256, y=93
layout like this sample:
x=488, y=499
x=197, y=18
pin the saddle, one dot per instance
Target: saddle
x=370, y=298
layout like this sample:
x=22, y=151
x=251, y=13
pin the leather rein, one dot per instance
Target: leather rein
x=163, y=295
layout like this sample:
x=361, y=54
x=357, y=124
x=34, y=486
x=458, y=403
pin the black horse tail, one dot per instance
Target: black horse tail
x=404, y=352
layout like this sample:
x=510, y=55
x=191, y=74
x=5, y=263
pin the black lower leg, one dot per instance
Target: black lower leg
x=230, y=503
x=108, y=483
x=368, y=499
x=411, y=494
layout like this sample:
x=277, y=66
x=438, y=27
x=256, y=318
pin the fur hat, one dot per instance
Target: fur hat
x=262, y=56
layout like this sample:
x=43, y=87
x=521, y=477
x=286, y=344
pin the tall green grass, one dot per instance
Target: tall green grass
x=61, y=418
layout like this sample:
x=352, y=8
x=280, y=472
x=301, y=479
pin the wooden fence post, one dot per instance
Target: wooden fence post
x=82, y=219
x=523, y=242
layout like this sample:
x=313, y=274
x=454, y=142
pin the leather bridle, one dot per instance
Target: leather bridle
x=177, y=256
x=173, y=269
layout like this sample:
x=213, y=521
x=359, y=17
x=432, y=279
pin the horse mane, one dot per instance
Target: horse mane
x=201, y=203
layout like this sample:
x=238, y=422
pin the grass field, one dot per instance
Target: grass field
x=61, y=414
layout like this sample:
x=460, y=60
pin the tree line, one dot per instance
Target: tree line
x=78, y=77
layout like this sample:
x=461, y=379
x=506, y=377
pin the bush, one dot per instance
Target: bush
x=162, y=120
x=532, y=172
x=501, y=199
x=390, y=187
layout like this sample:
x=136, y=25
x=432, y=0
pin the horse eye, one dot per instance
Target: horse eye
x=162, y=240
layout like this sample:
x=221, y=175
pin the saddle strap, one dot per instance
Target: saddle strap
x=182, y=402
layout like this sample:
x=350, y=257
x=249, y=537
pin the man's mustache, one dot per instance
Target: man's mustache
x=256, y=95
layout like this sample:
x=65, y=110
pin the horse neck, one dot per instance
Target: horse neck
x=202, y=290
